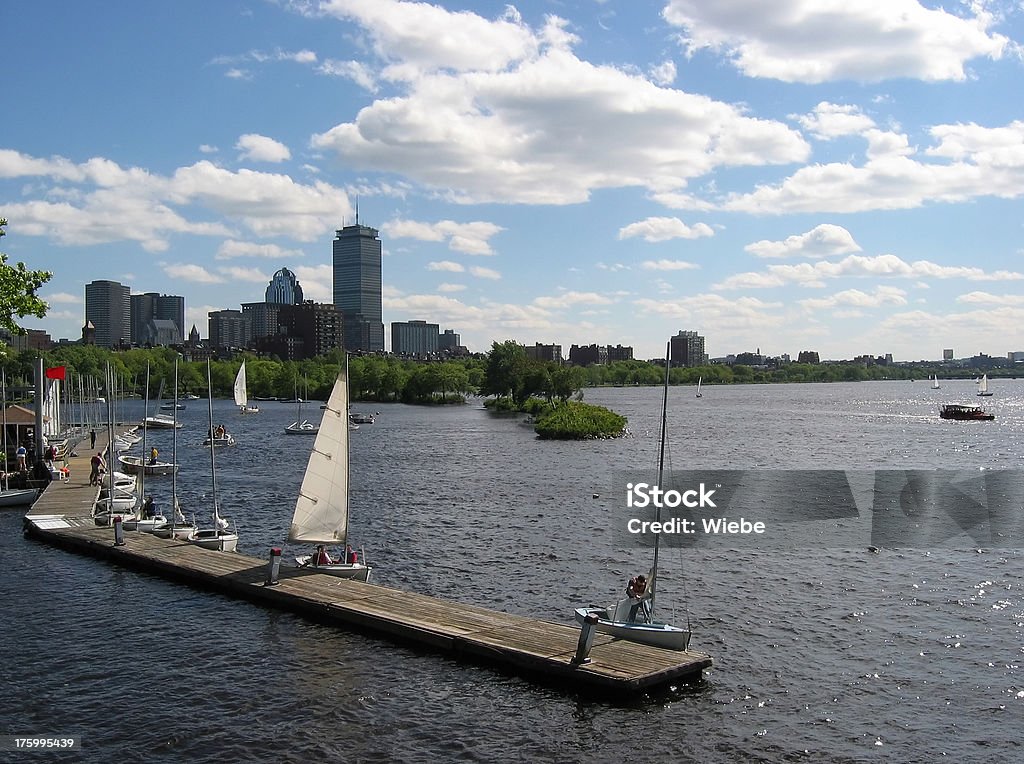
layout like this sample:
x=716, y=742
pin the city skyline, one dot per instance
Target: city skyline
x=777, y=177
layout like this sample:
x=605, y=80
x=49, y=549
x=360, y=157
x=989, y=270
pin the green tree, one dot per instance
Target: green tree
x=18, y=287
x=506, y=370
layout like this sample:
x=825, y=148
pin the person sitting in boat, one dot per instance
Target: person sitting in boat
x=153, y=453
x=148, y=510
x=321, y=557
x=350, y=555
x=638, y=595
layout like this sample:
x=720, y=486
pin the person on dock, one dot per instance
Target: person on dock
x=153, y=454
x=92, y=439
x=22, y=454
x=638, y=594
x=96, y=468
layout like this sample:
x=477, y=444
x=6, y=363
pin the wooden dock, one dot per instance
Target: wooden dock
x=537, y=648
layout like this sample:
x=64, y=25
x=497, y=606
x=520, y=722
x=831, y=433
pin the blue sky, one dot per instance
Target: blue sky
x=834, y=175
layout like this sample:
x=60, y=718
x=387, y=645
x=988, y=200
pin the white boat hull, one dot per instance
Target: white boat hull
x=355, y=571
x=215, y=539
x=227, y=440
x=180, y=532
x=302, y=428
x=18, y=497
x=655, y=634
x=133, y=464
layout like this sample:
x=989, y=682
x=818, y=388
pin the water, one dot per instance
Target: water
x=822, y=652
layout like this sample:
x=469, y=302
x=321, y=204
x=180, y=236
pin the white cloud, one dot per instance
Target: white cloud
x=260, y=148
x=825, y=240
x=830, y=120
x=657, y=229
x=317, y=282
x=62, y=297
x=984, y=298
x=663, y=74
x=356, y=71
x=484, y=273
x=668, y=265
x=231, y=249
x=235, y=273
x=468, y=238
x=814, y=41
x=815, y=274
x=446, y=287
x=855, y=298
x=445, y=265
x=571, y=299
x=191, y=272
x=495, y=111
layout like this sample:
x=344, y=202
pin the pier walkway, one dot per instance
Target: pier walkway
x=61, y=517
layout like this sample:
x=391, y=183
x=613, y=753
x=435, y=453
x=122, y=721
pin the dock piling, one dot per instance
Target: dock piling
x=587, y=633
x=274, y=568
x=118, y=530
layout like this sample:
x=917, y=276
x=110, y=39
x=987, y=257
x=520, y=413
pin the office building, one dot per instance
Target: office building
x=687, y=349
x=108, y=308
x=150, y=312
x=229, y=329
x=304, y=331
x=541, y=352
x=284, y=289
x=414, y=338
x=357, y=287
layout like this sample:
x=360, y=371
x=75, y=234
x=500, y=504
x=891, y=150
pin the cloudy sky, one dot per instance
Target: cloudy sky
x=836, y=175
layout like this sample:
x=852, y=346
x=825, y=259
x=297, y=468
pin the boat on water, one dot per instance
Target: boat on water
x=134, y=464
x=176, y=527
x=160, y=422
x=983, y=386
x=699, y=380
x=219, y=536
x=242, y=393
x=632, y=618
x=935, y=382
x=301, y=426
x=360, y=418
x=172, y=406
x=965, y=413
x=322, y=507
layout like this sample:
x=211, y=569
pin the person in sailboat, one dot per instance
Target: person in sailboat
x=321, y=557
x=638, y=595
x=350, y=555
x=148, y=509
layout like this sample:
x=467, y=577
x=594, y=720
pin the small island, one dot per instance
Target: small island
x=518, y=384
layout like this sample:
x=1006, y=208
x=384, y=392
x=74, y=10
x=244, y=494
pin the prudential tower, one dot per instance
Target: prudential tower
x=357, y=287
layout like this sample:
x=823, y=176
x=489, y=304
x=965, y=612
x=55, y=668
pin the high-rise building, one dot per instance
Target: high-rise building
x=357, y=287
x=947, y=354
x=687, y=349
x=304, y=331
x=284, y=289
x=229, y=329
x=449, y=341
x=417, y=338
x=541, y=352
x=151, y=307
x=108, y=307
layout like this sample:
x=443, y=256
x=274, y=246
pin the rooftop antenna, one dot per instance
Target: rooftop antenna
x=357, y=210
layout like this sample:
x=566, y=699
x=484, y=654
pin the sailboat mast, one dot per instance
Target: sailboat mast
x=213, y=448
x=661, y=471
x=174, y=452
x=145, y=429
x=3, y=387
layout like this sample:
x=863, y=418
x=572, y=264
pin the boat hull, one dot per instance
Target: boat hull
x=133, y=464
x=217, y=540
x=356, y=571
x=18, y=497
x=303, y=428
x=660, y=635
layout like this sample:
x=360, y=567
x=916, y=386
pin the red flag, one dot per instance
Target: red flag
x=57, y=372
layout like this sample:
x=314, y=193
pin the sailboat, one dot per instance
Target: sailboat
x=699, y=380
x=11, y=497
x=218, y=537
x=144, y=521
x=935, y=382
x=116, y=503
x=321, y=510
x=176, y=527
x=242, y=393
x=301, y=426
x=617, y=621
x=983, y=385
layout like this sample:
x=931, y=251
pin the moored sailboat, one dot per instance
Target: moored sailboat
x=321, y=509
x=619, y=621
x=983, y=386
x=219, y=536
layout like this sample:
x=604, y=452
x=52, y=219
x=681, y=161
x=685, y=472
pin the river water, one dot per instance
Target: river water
x=823, y=648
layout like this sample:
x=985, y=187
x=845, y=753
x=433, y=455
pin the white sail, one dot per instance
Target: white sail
x=241, y=396
x=321, y=511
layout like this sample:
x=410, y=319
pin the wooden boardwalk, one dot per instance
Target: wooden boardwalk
x=538, y=648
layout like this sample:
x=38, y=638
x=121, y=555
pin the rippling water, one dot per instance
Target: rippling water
x=821, y=652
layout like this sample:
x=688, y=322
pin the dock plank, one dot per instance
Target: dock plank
x=537, y=647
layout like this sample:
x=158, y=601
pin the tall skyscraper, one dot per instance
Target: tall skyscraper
x=229, y=329
x=148, y=309
x=357, y=287
x=108, y=308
